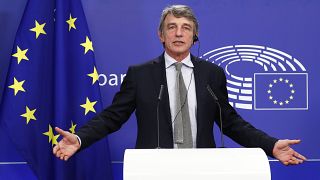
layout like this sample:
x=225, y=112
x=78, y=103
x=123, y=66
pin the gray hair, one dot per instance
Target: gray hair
x=179, y=11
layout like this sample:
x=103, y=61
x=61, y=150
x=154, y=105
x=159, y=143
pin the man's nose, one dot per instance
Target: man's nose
x=179, y=32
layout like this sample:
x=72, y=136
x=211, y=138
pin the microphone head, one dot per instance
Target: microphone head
x=212, y=93
x=160, y=92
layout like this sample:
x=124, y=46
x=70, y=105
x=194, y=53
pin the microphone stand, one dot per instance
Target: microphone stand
x=216, y=100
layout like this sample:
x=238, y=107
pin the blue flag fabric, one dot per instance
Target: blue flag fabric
x=53, y=81
x=281, y=91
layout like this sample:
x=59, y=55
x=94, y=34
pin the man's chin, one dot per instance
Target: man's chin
x=180, y=50
x=176, y=54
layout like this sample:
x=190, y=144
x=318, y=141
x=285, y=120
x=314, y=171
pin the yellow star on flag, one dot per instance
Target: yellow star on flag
x=17, y=86
x=94, y=75
x=71, y=21
x=49, y=133
x=29, y=114
x=73, y=128
x=54, y=139
x=38, y=29
x=88, y=106
x=87, y=45
x=51, y=136
x=20, y=54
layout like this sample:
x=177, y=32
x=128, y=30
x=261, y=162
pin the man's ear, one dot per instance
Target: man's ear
x=160, y=35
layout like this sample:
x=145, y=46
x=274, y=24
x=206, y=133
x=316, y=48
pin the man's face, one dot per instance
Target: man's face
x=177, y=36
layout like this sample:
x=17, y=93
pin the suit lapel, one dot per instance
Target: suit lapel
x=199, y=79
x=200, y=91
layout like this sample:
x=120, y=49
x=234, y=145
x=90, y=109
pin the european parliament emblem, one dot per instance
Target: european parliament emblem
x=262, y=78
x=280, y=91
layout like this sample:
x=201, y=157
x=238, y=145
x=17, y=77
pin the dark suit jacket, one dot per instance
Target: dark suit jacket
x=139, y=92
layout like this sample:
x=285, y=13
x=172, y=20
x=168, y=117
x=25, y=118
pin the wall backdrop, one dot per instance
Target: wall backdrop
x=269, y=49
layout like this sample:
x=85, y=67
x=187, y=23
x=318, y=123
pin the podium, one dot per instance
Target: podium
x=199, y=164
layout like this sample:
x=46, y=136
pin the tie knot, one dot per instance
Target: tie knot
x=178, y=66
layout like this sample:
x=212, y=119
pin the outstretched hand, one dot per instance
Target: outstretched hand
x=285, y=154
x=67, y=146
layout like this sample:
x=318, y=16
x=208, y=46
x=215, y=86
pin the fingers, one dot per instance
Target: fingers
x=63, y=157
x=55, y=149
x=60, y=149
x=61, y=132
x=58, y=153
x=292, y=142
x=66, y=158
x=286, y=163
x=299, y=156
x=294, y=159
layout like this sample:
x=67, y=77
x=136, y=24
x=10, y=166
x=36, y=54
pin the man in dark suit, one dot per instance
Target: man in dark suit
x=187, y=110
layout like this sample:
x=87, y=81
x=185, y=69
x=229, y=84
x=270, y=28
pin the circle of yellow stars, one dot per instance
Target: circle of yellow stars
x=277, y=101
x=17, y=86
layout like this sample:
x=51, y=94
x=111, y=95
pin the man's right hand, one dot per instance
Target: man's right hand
x=67, y=146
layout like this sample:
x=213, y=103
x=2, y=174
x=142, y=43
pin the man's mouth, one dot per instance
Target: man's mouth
x=178, y=42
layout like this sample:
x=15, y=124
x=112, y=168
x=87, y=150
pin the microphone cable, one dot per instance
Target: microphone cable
x=185, y=98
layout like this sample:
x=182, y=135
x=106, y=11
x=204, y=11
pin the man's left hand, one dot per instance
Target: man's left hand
x=285, y=154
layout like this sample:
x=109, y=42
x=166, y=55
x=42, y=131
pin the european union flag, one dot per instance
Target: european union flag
x=281, y=91
x=53, y=81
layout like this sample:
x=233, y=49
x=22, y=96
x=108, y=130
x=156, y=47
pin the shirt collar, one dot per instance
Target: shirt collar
x=170, y=61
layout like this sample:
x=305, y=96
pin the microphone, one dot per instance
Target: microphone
x=161, y=92
x=215, y=98
x=158, y=118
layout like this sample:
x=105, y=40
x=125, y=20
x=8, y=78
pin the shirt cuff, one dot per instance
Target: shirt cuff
x=79, y=140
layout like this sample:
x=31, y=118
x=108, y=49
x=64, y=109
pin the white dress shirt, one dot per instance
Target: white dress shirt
x=188, y=77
